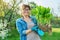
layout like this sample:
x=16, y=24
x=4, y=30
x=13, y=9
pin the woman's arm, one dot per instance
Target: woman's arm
x=34, y=28
x=20, y=29
x=27, y=31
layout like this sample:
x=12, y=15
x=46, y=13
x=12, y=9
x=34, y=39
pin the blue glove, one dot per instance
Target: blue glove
x=37, y=30
x=40, y=32
x=34, y=28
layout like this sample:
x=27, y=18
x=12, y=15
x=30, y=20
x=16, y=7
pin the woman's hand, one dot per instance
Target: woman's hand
x=27, y=31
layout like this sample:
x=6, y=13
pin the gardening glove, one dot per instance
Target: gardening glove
x=37, y=30
x=34, y=28
x=40, y=32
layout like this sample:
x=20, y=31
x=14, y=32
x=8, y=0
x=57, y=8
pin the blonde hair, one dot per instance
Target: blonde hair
x=23, y=6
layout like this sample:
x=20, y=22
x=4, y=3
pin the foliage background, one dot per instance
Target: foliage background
x=9, y=14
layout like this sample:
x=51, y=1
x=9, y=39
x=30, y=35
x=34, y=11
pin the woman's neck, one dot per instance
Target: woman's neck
x=25, y=17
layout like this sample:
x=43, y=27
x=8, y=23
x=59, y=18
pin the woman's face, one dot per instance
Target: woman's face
x=25, y=12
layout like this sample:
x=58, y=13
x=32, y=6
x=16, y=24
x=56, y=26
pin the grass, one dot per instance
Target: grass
x=56, y=30
x=55, y=35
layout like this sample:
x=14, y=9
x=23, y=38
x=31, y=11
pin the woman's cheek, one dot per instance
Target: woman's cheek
x=26, y=13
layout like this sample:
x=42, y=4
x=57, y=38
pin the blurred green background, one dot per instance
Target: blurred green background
x=10, y=12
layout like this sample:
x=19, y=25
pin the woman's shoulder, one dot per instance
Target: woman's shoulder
x=19, y=20
x=33, y=17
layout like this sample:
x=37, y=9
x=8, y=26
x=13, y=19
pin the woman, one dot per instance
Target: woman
x=26, y=23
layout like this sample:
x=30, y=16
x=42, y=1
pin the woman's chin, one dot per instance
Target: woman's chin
x=27, y=14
